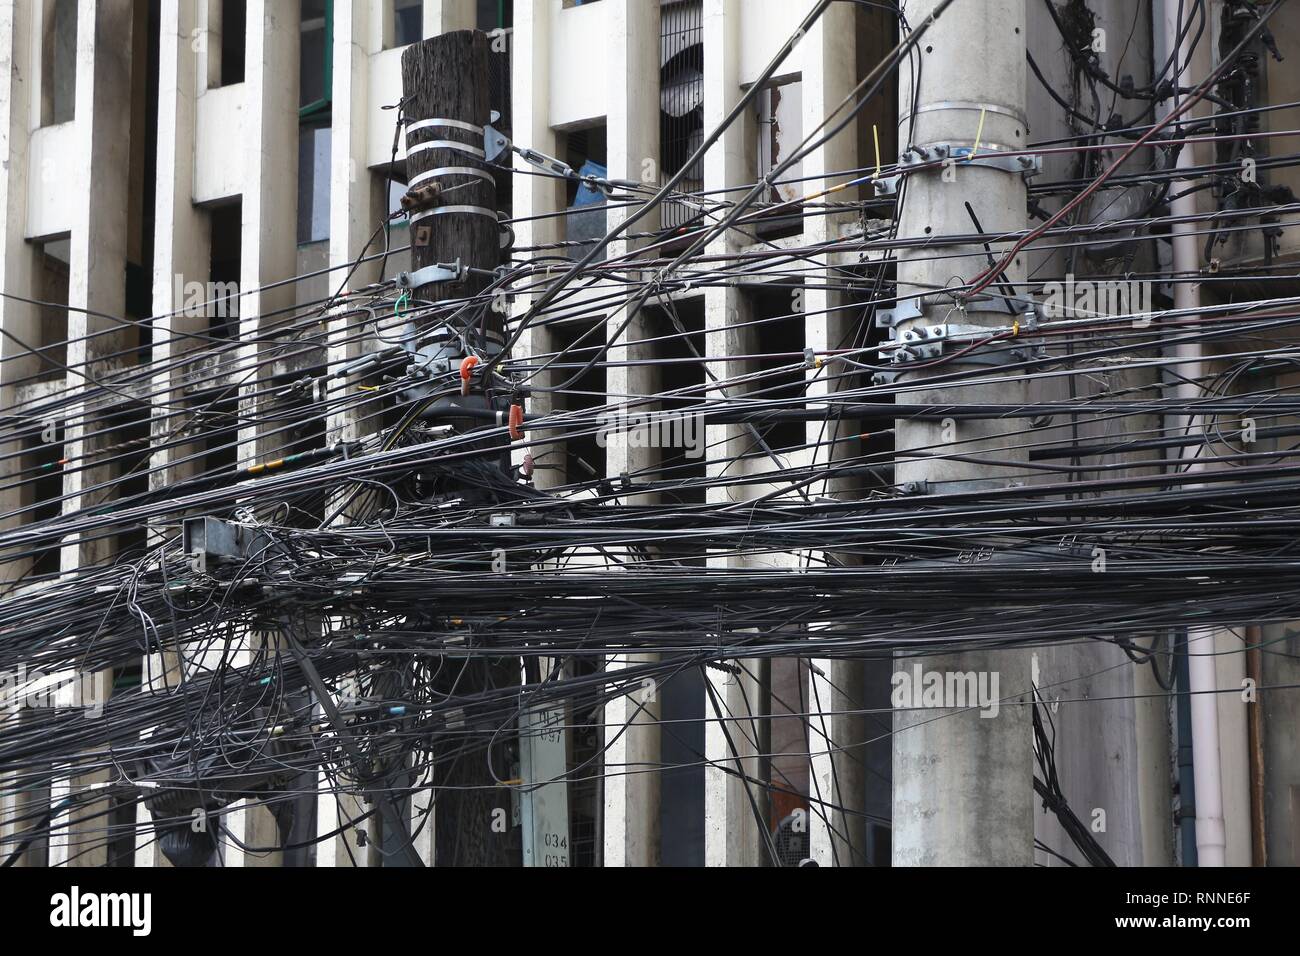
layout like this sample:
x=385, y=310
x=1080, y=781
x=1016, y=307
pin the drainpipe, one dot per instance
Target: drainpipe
x=1255, y=738
x=1211, y=838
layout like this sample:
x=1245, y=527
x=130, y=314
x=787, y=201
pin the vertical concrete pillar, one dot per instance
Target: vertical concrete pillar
x=268, y=254
x=268, y=243
x=17, y=257
x=632, y=806
x=357, y=205
x=536, y=199
x=731, y=832
x=835, y=687
x=96, y=283
x=182, y=240
x=837, y=737
x=444, y=16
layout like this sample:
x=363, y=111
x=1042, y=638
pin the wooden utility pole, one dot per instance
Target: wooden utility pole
x=445, y=100
x=451, y=200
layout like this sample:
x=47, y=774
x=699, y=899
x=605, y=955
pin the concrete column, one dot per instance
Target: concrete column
x=836, y=738
x=182, y=239
x=18, y=261
x=1234, y=751
x=1152, y=733
x=535, y=196
x=632, y=84
x=98, y=244
x=268, y=246
x=444, y=16
x=358, y=205
x=731, y=785
x=96, y=270
x=962, y=783
x=632, y=808
x=357, y=208
x=268, y=253
x=731, y=834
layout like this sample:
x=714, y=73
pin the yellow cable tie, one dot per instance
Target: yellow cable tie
x=1015, y=328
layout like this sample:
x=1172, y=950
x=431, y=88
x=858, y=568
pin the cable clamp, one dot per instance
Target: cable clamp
x=467, y=370
x=516, y=422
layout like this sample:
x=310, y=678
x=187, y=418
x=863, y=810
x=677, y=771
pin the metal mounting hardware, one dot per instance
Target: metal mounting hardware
x=911, y=345
x=901, y=312
x=991, y=155
x=924, y=342
x=209, y=541
x=494, y=141
x=440, y=272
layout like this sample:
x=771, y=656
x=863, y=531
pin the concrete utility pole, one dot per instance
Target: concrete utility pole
x=963, y=784
x=451, y=199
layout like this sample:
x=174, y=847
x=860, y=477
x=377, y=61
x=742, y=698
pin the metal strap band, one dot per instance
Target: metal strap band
x=447, y=210
x=449, y=171
x=445, y=144
x=970, y=107
x=443, y=123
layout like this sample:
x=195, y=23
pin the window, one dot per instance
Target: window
x=681, y=101
x=314, y=181
x=221, y=297
x=493, y=14
x=58, y=61
x=50, y=341
x=42, y=462
x=315, y=97
x=585, y=222
x=316, y=57
x=778, y=333
x=227, y=29
x=780, y=131
x=408, y=23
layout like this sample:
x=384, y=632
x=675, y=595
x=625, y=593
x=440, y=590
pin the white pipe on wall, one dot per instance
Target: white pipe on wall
x=1211, y=834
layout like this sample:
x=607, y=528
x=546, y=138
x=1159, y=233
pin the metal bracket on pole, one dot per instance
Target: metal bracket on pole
x=925, y=342
x=441, y=272
x=494, y=141
x=886, y=185
x=994, y=157
x=210, y=541
x=903, y=311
